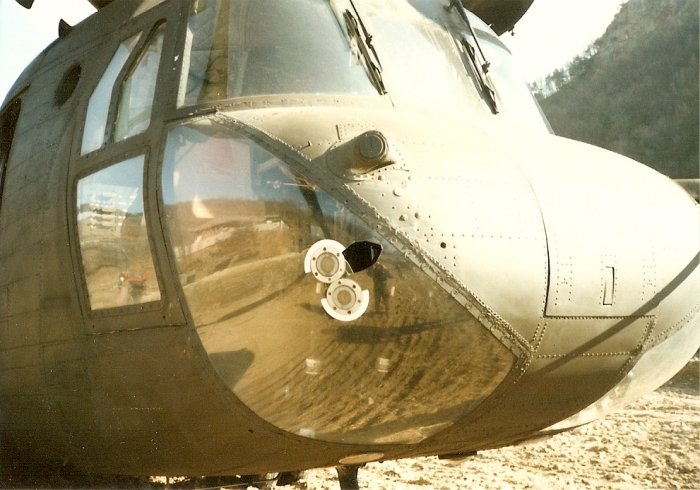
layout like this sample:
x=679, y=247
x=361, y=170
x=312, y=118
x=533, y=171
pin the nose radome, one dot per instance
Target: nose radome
x=622, y=238
x=624, y=247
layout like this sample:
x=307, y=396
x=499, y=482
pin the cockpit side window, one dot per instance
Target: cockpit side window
x=8, y=124
x=135, y=93
x=98, y=106
x=114, y=243
x=138, y=89
x=117, y=249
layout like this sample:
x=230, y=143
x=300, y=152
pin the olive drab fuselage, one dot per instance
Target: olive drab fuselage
x=239, y=237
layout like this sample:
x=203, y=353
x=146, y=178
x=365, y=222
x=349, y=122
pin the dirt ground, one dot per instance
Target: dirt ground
x=652, y=444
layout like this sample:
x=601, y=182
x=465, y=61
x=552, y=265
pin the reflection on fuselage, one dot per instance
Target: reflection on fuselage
x=240, y=221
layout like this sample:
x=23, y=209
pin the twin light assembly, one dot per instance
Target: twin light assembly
x=329, y=262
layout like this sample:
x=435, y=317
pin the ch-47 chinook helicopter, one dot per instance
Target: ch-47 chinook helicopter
x=242, y=237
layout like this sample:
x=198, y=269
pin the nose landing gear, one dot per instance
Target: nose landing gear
x=347, y=477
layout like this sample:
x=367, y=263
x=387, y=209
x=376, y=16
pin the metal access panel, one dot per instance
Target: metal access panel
x=612, y=250
x=588, y=279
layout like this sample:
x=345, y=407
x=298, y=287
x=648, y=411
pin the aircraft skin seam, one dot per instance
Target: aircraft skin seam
x=538, y=335
x=587, y=354
x=626, y=367
x=638, y=317
x=683, y=321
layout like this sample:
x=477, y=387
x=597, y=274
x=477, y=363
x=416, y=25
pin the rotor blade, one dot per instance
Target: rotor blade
x=26, y=3
x=692, y=186
x=64, y=28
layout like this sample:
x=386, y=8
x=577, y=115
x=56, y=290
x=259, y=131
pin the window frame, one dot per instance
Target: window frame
x=267, y=100
x=168, y=310
x=147, y=305
x=99, y=111
x=125, y=73
x=153, y=306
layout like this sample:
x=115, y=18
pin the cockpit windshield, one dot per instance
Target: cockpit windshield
x=242, y=48
x=516, y=102
x=422, y=68
x=417, y=52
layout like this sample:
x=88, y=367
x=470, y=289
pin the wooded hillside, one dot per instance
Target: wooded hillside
x=635, y=91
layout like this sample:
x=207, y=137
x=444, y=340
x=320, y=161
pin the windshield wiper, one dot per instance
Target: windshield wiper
x=481, y=66
x=364, y=42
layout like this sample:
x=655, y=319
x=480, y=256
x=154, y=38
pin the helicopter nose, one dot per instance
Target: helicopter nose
x=548, y=228
x=619, y=235
x=624, y=254
x=587, y=259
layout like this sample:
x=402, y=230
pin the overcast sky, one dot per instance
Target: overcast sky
x=553, y=32
x=550, y=35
